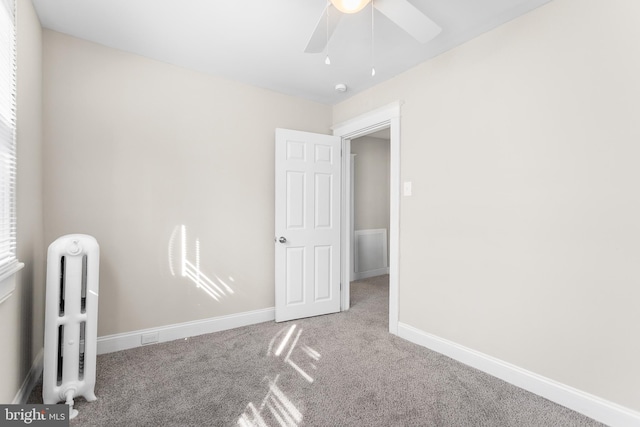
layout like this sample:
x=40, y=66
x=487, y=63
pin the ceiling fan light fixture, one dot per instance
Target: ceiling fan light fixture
x=350, y=6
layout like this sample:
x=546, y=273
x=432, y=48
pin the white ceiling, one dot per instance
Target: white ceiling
x=262, y=42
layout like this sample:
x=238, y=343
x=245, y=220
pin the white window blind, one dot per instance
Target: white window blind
x=8, y=259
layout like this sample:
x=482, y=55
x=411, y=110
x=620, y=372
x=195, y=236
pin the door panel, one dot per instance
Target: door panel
x=295, y=275
x=323, y=273
x=307, y=224
x=295, y=200
x=324, y=200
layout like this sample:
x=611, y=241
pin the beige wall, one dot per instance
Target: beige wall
x=21, y=330
x=134, y=149
x=521, y=237
x=371, y=183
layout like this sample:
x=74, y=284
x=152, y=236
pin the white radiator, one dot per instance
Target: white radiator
x=370, y=252
x=71, y=320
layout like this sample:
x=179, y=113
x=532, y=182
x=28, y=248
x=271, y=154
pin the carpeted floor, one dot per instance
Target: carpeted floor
x=342, y=369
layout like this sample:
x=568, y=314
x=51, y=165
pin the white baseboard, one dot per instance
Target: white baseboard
x=30, y=381
x=592, y=406
x=370, y=273
x=117, y=342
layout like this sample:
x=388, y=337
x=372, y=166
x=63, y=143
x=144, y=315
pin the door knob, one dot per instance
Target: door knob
x=282, y=240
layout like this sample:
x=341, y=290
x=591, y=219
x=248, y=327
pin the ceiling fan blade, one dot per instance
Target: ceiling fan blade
x=409, y=18
x=318, y=40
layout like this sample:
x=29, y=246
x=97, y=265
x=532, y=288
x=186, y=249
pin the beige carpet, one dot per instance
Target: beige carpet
x=343, y=369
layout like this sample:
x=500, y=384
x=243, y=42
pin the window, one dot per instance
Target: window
x=8, y=259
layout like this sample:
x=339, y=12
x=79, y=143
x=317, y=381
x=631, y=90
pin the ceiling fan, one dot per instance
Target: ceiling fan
x=401, y=12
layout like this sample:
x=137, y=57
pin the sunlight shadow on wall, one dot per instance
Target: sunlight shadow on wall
x=191, y=269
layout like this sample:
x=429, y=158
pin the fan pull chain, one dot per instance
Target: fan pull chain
x=373, y=68
x=327, y=60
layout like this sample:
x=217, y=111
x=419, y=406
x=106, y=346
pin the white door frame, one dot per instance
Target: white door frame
x=381, y=118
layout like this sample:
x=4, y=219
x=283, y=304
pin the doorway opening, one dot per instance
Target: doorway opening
x=384, y=118
x=370, y=217
x=370, y=205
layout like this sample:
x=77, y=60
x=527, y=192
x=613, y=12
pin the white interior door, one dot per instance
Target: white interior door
x=307, y=269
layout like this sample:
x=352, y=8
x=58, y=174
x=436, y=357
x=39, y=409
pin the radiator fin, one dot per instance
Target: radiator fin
x=60, y=353
x=83, y=290
x=62, y=290
x=81, y=350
